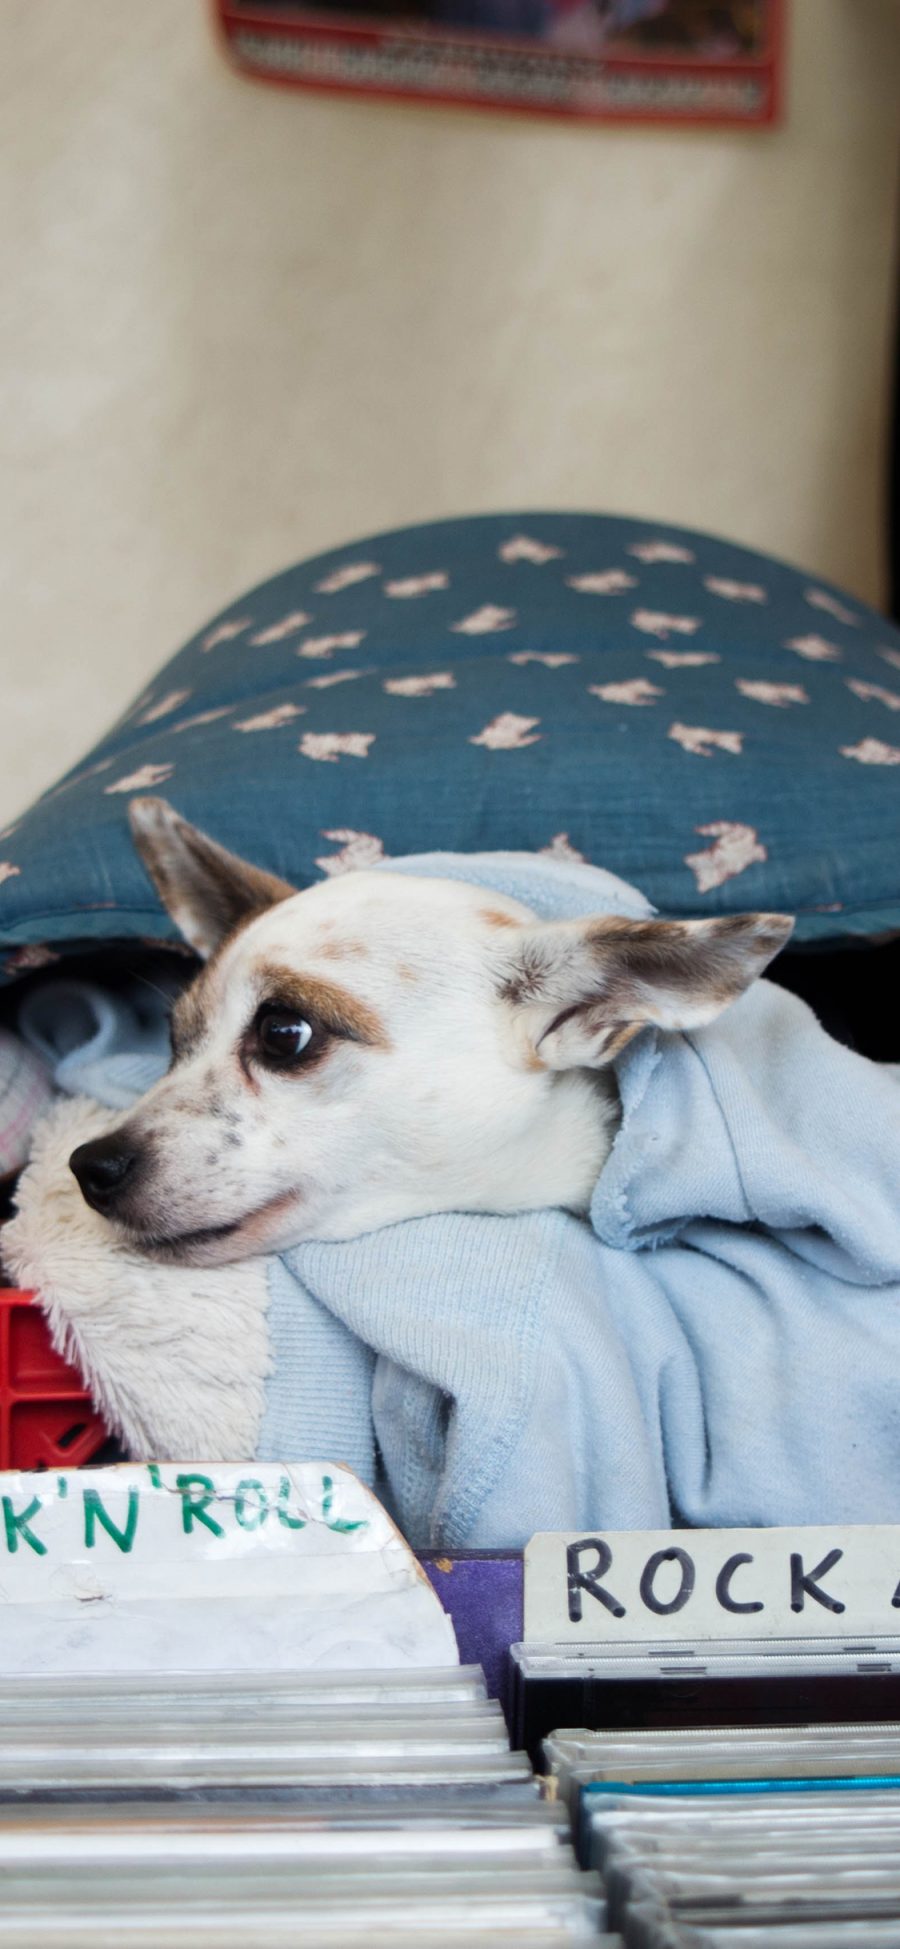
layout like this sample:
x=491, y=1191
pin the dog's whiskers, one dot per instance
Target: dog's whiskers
x=134, y=974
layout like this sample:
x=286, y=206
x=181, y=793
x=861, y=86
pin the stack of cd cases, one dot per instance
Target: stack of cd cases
x=706, y=1683
x=334, y=1808
x=735, y=1839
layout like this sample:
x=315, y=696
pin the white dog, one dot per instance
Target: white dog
x=381, y=1047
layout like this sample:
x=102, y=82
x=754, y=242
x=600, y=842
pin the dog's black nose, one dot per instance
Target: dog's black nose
x=102, y=1169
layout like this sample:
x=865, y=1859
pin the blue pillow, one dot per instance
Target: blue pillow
x=704, y=721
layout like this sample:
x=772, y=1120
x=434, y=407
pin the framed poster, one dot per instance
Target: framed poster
x=664, y=61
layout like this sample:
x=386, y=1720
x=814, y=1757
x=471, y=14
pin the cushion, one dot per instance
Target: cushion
x=711, y=724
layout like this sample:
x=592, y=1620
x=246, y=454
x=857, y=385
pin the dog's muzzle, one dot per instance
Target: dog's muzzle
x=105, y=1169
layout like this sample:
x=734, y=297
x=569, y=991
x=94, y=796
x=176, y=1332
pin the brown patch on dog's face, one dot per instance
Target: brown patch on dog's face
x=338, y=1011
x=193, y=1012
x=190, y=1018
x=342, y=950
x=495, y=917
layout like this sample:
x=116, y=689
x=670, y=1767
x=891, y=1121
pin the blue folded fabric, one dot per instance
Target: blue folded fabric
x=109, y=1044
x=719, y=1345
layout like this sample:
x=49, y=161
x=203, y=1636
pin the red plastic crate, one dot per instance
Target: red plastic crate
x=47, y=1417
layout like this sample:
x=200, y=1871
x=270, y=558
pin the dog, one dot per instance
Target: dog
x=381, y=1047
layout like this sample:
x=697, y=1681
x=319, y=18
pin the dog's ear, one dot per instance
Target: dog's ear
x=206, y=890
x=583, y=988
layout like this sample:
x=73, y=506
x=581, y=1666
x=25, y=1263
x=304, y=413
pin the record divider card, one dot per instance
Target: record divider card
x=716, y=1628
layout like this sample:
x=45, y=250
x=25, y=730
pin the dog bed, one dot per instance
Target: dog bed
x=719, y=728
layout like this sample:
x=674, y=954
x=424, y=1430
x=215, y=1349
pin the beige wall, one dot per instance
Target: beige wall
x=238, y=325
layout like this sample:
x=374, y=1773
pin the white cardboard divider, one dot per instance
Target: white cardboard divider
x=648, y=1586
x=199, y=1566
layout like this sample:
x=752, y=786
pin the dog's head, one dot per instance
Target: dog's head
x=379, y=1047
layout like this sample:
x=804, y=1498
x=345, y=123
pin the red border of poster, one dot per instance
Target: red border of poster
x=404, y=62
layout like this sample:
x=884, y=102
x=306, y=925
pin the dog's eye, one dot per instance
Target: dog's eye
x=282, y=1036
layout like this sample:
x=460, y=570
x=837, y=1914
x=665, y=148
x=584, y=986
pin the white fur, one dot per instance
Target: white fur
x=175, y=1357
